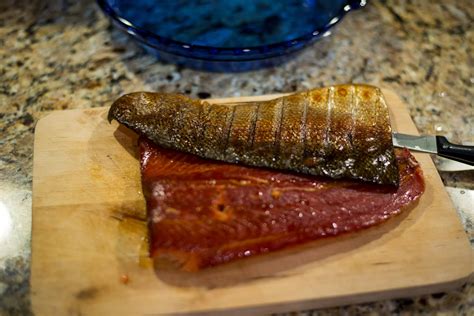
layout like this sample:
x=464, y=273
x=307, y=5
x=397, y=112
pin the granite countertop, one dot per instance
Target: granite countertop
x=65, y=55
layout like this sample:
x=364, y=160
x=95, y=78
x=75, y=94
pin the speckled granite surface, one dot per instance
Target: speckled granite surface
x=65, y=55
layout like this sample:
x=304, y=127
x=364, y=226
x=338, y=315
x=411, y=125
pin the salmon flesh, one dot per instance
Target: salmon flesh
x=339, y=131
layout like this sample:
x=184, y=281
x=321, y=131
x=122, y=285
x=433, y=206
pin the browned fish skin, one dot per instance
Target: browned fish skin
x=340, y=131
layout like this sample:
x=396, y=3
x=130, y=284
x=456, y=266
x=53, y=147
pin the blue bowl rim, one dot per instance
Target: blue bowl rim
x=244, y=53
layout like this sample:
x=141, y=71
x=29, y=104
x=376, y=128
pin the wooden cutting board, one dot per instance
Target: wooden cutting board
x=89, y=239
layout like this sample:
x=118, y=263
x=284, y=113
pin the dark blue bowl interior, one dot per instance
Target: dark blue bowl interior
x=226, y=23
x=200, y=33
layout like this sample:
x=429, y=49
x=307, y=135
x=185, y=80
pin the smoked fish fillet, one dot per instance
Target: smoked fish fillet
x=202, y=213
x=339, y=131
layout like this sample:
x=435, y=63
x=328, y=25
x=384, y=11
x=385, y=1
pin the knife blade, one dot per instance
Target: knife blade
x=438, y=145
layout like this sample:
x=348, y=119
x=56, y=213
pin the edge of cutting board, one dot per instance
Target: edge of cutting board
x=46, y=284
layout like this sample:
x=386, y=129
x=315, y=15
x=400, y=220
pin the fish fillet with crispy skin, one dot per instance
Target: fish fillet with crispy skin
x=340, y=131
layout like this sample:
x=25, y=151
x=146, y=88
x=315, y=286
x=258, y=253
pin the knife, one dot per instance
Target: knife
x=438, y=145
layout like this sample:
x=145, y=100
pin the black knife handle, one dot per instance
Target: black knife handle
x=461, y=153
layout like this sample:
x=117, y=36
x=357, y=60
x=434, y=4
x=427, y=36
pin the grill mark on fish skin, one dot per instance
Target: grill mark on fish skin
x=229, y=129
x=330, y=102
x=353, y=109
x=221, y=135
x=303, y=126
x=174, y=129
x=376, y=136
x=385, y=117
x=354, y=116
x=203, y=123
x=254, y=126
x=279, y=123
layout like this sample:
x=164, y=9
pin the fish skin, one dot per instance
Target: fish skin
x=340, y=131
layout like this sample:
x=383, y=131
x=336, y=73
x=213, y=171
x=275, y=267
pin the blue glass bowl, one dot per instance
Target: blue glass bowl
x=226, y=35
